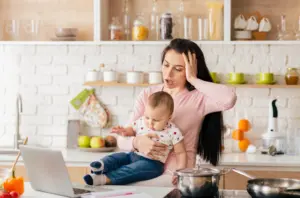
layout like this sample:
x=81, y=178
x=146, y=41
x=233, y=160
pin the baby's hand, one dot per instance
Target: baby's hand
x=119, y=130
x=174, y=180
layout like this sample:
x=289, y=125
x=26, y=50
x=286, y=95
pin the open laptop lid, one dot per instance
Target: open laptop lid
x=47, y=171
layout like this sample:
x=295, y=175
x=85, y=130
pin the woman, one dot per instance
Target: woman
x=198, y=105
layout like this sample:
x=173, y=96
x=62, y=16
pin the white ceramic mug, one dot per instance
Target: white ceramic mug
x=92, y=75
x=155, y=78
x=240, y=22
x=134, y=77
x=252, y=23
x=265, y=25
x=110, y=76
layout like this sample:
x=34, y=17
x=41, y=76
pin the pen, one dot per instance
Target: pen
x=117, y=195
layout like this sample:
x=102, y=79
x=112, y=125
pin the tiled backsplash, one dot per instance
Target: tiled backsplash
x=48, y=76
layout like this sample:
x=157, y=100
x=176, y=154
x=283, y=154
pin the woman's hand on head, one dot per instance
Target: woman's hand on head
x=150, y=148
x=190, y=66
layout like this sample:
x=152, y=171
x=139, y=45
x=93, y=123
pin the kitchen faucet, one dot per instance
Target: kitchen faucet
x=19, y=110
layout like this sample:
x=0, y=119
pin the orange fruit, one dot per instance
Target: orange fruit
x=244, y=125
x=243, y=144
x=237, y=135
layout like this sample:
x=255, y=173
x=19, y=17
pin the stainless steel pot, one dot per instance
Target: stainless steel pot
x=271, y=187
x=199, y=182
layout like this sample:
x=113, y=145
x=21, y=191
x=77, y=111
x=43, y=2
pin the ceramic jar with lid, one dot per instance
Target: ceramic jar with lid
x=155, y=77
x=92, y=75
x=134, y=77
x=291, y=76
x=110, y=76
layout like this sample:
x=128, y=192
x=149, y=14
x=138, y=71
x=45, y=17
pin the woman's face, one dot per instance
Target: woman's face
x=173, y=70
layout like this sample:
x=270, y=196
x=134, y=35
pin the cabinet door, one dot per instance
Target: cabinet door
x=20, y=171
x=77, y=173
x=236, y=181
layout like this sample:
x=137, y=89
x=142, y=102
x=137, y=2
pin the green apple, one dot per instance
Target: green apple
x=97, y=142
x=84, y=141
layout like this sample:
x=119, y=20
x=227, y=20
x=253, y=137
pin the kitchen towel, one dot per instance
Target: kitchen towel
x=93, y=113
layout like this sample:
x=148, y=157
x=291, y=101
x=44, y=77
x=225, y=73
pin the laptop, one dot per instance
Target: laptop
x=48, y=173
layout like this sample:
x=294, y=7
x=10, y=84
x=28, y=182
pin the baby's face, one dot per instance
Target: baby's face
x=156, y=118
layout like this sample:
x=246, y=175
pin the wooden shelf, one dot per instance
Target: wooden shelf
x=265, y=86
x=116, y=84
x=96, y=15
x=113, y=84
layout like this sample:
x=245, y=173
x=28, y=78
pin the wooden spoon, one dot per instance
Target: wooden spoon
x=14, y=165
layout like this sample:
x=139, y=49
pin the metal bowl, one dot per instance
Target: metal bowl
x=66, y=32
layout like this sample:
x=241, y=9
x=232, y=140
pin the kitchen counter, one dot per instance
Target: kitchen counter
x=155, y=192
x=76, y=158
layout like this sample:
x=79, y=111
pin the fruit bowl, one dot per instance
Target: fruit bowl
x=97, y=143
x=103, y=149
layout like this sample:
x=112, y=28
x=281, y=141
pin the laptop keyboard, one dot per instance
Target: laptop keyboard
x=80, y=191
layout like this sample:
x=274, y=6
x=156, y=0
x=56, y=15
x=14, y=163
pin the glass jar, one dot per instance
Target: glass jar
x=115, y=29
x=140, y=31
x=166, y=26
x=215, y=20
x=291, y=76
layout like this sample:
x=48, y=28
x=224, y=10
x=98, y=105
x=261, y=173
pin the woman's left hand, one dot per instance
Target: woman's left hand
x=190, y=66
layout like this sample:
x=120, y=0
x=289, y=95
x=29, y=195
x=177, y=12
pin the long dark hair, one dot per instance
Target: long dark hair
x=210, y=139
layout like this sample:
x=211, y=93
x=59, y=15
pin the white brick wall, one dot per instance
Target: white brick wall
x=48, y=77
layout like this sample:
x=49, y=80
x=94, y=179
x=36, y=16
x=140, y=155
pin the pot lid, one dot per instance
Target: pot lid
x=198, y=172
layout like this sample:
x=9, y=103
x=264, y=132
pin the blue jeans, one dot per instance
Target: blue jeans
x=124, y=168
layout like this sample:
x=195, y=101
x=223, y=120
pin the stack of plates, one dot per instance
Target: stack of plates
x=65, y=34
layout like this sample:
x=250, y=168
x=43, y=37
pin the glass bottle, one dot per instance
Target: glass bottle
x=297, y=34
x=215, y=20
x=115, y=29
x=283, y=33
x=126, y=21
x=291, y=76
x=179, y=30
x=140, y=31
x=154, y=26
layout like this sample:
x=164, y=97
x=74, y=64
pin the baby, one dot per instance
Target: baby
x=124, y=168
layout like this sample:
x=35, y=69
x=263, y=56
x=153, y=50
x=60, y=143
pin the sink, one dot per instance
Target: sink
x=8, y=152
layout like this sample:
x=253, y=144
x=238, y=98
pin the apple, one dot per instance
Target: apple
x=84, y=141
x=97, y=142
x=110, y=141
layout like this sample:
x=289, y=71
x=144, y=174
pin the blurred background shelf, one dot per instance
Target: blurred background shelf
x=93, y=17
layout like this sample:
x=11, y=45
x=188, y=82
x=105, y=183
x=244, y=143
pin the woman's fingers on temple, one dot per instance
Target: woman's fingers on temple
x=185, y=59
x=190, y=58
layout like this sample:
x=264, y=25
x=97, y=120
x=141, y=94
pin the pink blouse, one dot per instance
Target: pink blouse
x=189, y=112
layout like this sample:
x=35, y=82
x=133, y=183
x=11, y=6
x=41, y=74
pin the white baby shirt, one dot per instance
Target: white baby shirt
x=170, y=136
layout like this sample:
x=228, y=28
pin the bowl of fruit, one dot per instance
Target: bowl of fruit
x=97, y=143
